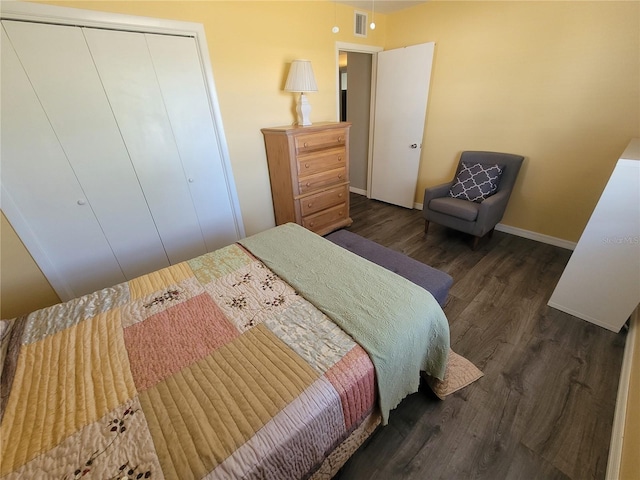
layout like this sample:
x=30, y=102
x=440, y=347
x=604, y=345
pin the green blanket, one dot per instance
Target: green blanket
x=398, y=323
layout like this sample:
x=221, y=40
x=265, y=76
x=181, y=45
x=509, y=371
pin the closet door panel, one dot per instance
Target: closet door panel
x=125, y=68
x=61, y=70
x=179, y=74
x=48, y=207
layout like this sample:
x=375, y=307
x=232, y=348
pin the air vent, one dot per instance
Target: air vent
x=360, y=24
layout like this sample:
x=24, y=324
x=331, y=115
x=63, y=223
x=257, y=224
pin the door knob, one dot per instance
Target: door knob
x=414, y=145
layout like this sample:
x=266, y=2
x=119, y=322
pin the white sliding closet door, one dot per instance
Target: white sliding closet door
x=131, y=85
x=113, y=160
x=183, y=88
x=65, y=235
x=61, y=71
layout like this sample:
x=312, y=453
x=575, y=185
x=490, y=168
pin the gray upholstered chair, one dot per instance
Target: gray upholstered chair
x=477, y=218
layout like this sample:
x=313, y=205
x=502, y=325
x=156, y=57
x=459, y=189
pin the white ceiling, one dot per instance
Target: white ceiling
x=382, y=6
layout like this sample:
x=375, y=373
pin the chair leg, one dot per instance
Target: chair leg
x=490, y=234
x=426, y=227
x=476, y=241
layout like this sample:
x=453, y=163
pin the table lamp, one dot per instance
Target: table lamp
x=301, y=80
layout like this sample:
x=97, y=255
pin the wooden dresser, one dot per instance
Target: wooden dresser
x=309, y=171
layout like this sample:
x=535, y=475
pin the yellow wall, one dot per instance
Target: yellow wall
x=23, y=288
x=557, y=82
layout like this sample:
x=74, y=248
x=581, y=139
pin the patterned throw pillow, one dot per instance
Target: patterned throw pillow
x=476, y=181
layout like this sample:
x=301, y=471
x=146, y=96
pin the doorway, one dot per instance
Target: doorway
x=396, y=83
x=356, y=84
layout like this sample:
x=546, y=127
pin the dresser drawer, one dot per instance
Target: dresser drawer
x=319, y=201
x=309, y=174
x=321, y=220
x=321, y=161
x=320, y=180
x=321, y=139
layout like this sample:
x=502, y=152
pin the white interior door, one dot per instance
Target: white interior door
x=402, y=89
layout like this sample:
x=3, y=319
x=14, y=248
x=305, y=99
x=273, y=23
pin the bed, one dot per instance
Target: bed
x=274, y=357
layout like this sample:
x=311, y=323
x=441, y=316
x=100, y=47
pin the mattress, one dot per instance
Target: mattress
x=212, y=368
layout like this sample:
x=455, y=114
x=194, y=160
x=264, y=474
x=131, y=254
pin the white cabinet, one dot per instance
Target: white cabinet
x=111, y=163
x=601, y=282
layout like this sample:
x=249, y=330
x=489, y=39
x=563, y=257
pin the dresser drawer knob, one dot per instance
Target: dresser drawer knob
x=308, y=184
x=339, y=175
x=306, y=165
x=306, y=144
x=340, y=195
x=311, y=224
x=340, y=139
x=309, y=204
x=339, y=158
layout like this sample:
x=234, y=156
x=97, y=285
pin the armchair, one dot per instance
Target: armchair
x=477, y=218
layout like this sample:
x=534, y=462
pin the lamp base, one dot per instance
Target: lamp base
x=303, y=109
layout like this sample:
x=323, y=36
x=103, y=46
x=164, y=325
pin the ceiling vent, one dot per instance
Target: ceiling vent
x=360, y=24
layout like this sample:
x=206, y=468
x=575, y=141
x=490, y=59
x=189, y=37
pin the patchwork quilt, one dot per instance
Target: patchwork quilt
x=211, y=368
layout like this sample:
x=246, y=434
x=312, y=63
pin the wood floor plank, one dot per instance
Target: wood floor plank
x=545, y=406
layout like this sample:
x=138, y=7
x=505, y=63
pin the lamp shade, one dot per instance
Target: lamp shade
x=301, y=77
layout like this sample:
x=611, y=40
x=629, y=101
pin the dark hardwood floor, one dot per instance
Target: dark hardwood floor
x=545, y=406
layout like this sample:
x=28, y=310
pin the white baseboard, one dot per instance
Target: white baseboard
x=622, y=400
x=558, y=242
x=584, y=316
x=358, y=191
x=520, y=232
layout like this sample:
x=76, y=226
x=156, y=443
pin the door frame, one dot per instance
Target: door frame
x=373, y=51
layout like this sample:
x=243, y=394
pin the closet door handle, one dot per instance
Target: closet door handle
x=82, y=201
